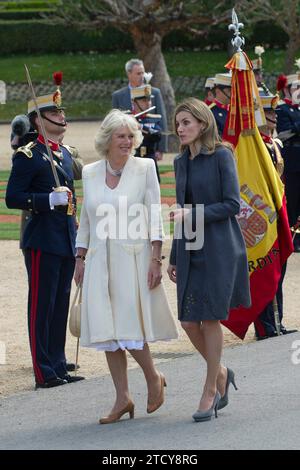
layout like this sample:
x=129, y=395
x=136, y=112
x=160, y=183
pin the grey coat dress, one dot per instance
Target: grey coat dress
x=213, y=279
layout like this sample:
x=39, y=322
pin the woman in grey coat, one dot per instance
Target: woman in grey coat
x=213, y=278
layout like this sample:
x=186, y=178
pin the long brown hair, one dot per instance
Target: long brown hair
x=209, y=137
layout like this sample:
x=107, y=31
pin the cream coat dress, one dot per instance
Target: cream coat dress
x=117, y=227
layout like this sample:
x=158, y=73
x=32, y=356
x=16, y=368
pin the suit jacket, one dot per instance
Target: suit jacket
x=121, y=100
x=30, y=182
x=129, y=257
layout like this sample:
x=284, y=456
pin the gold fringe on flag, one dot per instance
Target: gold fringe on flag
x=243, y=87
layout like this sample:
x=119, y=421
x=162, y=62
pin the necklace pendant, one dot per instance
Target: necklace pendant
x=112, y=171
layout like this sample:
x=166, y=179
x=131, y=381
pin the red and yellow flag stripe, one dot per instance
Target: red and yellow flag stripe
x=263, y=218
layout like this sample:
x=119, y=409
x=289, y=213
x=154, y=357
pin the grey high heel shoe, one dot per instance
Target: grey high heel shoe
x=230, y=380
x=206, y=415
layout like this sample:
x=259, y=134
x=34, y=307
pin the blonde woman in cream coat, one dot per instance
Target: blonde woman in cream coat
x=124, y=305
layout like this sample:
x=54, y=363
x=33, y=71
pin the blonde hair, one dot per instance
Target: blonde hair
x=209, y=136
x=113, y=121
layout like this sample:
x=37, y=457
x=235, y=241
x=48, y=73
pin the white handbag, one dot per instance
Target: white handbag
x=75, y=313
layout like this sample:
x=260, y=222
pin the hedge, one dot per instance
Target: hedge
x=26, y=9
x=38, y=37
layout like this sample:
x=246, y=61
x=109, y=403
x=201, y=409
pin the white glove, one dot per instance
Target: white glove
x=58, y=198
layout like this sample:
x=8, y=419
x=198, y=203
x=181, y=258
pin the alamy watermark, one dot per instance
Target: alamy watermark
x=295, y=356
x=2, y=353
x=138, y=221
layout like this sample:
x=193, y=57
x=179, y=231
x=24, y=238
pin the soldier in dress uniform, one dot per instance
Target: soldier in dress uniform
x=288, y=128
x=265, y=324
x=49, y=237
x=220, y=105
x=208, y=88
x=150, y=124
x=22, y=133
x=257, y=65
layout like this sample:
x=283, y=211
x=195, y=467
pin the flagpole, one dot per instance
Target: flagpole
x=276, y=315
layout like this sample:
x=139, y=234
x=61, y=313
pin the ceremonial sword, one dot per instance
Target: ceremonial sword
x=43, y=131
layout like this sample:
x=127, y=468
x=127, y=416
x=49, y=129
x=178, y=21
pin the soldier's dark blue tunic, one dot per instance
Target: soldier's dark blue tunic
x=220, y=113
x=151, y=129
x=49, y=247
x=288, y=119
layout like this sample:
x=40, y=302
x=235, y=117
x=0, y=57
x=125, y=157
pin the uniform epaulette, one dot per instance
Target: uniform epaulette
x=158, y=116
x=278, y=141
x=212, y=105
x=71, y=150
x=26, y=149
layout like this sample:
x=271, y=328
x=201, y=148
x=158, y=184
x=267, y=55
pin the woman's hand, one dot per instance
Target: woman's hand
x=154, y=274
x=179, y=214
x=79, y=271
x=172, y=272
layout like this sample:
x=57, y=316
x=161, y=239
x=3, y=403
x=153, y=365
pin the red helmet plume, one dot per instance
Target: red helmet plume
x=57, y=77
x=281, y=82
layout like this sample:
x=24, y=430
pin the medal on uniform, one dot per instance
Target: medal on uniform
x=143, y=151
x=58, y=154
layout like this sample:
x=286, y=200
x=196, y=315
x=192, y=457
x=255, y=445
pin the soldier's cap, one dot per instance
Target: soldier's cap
x=223, y=79
x=293, y=79
x=269, y=101
x=50, y=101
x=143, y=91
x=210, y=83
x=284, y=81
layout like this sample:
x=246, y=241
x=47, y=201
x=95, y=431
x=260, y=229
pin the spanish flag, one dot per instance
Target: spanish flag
x=263, y=217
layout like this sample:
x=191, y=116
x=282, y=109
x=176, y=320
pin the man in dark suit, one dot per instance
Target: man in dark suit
x=288, y=128
x=49, y=238
x=121, y=99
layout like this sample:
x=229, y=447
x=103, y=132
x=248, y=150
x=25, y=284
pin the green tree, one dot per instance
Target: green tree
x=285, y=13
x=148, y=22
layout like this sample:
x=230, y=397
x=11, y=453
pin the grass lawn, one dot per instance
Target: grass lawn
x=167, y=180
x=11, y=230
x=80, y=109
x=83, y=67
x=165, y=169
x=5, y=211
x=109, y=66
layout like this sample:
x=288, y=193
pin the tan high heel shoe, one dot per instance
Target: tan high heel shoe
x=112, y=418
x=154, y=406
